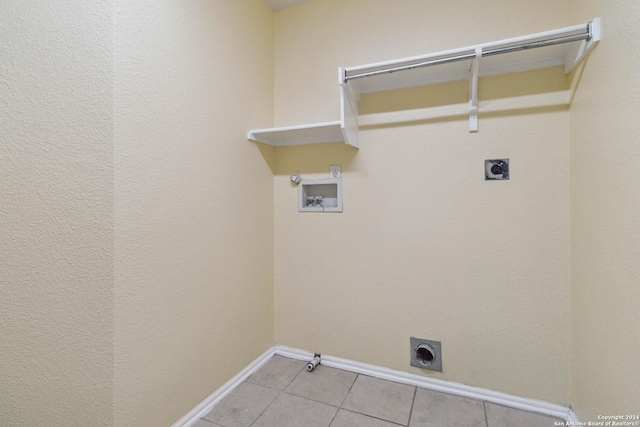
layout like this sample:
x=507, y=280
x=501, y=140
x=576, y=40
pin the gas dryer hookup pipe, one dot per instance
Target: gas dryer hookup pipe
x=314, y=362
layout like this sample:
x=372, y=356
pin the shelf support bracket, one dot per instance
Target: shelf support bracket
x=348, y=112
x=574, y=57
x=473, y=91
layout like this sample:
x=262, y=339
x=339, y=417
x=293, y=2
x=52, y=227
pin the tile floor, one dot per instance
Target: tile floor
x=283, y=394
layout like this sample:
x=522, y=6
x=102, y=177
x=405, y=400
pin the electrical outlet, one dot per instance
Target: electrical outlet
x=335, y=171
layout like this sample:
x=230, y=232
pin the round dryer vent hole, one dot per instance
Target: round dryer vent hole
x=425, y=354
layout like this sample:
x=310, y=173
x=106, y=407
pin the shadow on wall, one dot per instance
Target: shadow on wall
x=309, y=158
x=530, y=92
x=575, y=78
x=315, y=158
x=268, y=154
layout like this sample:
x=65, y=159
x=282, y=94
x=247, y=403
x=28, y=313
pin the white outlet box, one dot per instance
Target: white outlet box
x=335, y=171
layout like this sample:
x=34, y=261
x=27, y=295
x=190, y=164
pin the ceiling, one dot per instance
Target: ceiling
x=282, y=4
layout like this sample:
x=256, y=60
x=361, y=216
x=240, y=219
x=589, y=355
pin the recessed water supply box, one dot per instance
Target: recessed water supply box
x=320, y=195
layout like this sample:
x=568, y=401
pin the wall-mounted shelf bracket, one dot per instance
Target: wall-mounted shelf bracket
x=473, y=91
x=348, y=111
x=581, y=50
x=564, y=46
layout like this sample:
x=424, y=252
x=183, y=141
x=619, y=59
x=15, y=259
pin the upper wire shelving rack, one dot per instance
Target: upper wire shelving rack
x=565, y=46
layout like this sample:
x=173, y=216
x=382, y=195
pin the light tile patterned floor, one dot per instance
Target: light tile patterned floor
x=283, y=394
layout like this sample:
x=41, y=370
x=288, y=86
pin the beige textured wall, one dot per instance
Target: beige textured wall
x=605, y=220
x=56, y=213
x=193, y=202
x=425, y=246
x=187, y=231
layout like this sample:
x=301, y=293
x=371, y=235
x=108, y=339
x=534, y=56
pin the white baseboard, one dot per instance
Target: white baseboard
x=572, y=417
x=207, y=405
x=456, y=389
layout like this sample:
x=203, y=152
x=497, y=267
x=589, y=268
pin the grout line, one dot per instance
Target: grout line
x=334, y=417
x=486, y=419
x=349, y=391
x=369, y=415
x=296, y=376
x=265, y=409
x=374, y=417
x=274, y=388
x=280, y=392
x=413, y=402
x=310, y=399
x=263, y=386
